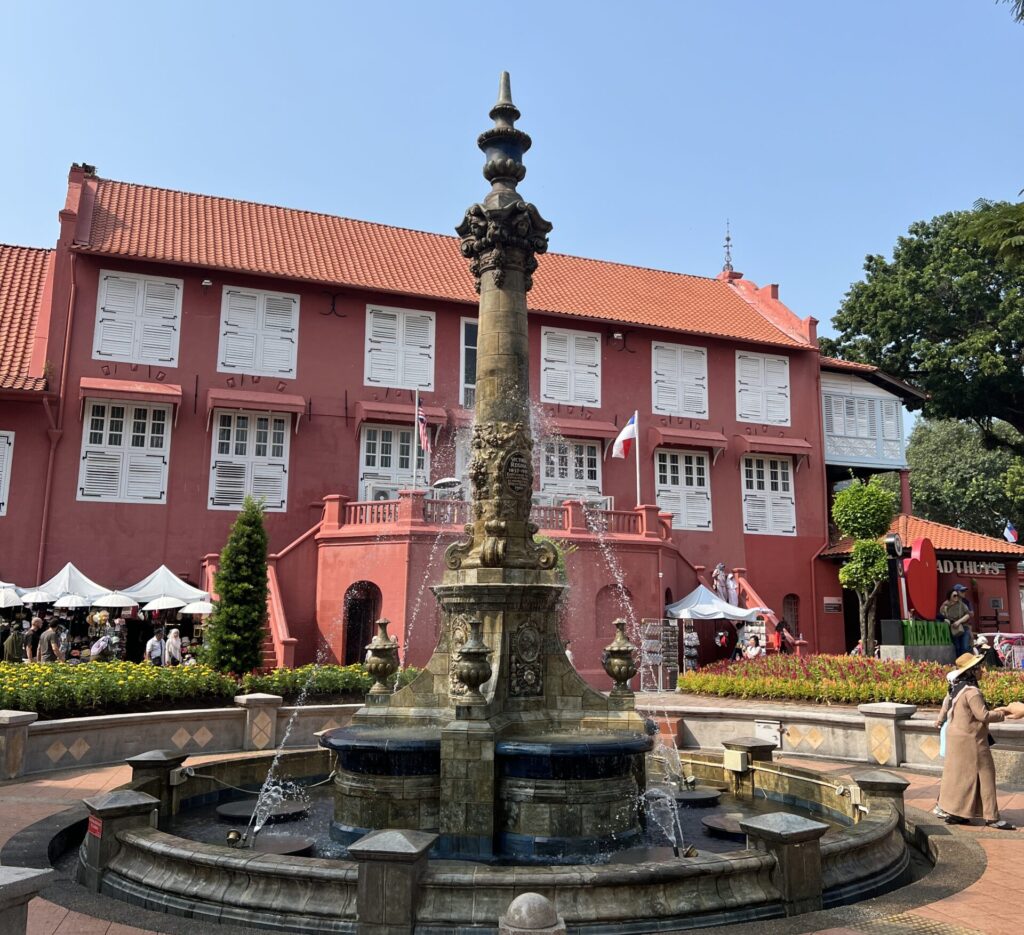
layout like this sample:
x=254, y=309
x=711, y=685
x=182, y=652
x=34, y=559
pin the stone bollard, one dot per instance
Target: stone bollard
x=794, y=842
x=531, y=914
x=260, y=720
x=391, y=864
x=740, y=754
x=879, y=785
x=883, y=732
x=13, y=738
x=153, y=768
x=18, y=885
x=108, y=814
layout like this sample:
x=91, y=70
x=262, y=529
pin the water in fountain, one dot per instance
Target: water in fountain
x=663, y=811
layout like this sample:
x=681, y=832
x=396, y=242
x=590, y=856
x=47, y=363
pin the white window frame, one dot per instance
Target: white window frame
x=6, y=463
x=110, y=449
x=137, y=322
x=573, y=389
x=256, y=471
x=260, y=333
x=467, y=391
x=404, y=352
x=377, y=476
x=688, y=397
x=768, y=488
x=766, y=399
x=581, y=456
x=689, y=498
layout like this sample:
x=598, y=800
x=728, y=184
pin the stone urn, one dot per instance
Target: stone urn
x=473, y=667
x=618, y=661
x=382, y=661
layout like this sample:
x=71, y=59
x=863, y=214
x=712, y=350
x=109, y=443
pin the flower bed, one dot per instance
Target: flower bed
x=56, y=690
x=841, y=680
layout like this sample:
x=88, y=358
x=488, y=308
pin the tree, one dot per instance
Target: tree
x=956, y=480
x=999, y=227
x=234, y=638
x=946, y=314
x=1018, y=9
x=863, y=512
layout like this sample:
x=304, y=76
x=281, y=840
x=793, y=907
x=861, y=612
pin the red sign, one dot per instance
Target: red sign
x=95, y=826
x=922, y=574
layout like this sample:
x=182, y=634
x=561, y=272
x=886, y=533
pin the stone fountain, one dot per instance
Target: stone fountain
x=499, y=745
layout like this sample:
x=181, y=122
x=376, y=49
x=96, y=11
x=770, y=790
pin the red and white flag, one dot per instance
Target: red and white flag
x=421, y=422
x=627, y=437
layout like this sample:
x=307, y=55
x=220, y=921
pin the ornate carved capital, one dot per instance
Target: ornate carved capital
x=502, y=237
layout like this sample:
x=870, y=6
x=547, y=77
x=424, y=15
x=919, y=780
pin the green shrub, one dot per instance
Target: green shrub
x=841, y=680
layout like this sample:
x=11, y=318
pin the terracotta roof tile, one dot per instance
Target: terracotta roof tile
x=201, y=230
x=22, y=275
x=944, y=538
x=833, y=363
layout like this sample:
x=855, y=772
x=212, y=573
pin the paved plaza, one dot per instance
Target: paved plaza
x=988, y=906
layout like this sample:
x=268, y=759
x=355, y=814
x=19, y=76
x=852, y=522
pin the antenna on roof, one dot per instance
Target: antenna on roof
x=727, y=265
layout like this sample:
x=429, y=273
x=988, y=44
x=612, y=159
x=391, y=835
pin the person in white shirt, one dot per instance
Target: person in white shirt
x=753, y=649
x=154, y=654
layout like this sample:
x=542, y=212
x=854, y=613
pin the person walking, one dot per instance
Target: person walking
x=172, y=649
x=154, y=653
x=32, y=642
x=968, y=787
x=958, y=615
x=49, y=643
x=14, y=645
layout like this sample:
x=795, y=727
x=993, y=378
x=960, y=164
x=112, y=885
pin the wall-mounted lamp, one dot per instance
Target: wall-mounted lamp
x=616, y=335
x=621, y=337
x=206, y=284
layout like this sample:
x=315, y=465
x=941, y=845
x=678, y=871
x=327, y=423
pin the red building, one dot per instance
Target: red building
x=175, y=351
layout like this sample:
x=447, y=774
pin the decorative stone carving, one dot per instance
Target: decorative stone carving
x=472, y=668
x=619, y=662
x=526, y=672
x=382, y=662
x=499, y=238
x=458, y=633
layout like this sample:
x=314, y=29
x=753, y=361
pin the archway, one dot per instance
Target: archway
x=361, y=605
x=791, y=612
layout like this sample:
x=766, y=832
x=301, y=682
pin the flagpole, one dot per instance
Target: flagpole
x=416, y=435
x=636, y=446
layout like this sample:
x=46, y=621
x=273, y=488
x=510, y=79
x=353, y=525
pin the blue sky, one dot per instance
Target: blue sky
x=820, y=129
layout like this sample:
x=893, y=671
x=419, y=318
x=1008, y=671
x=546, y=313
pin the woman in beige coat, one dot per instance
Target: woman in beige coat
x=969, y=775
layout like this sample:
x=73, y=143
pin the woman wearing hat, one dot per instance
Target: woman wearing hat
x=968, y=775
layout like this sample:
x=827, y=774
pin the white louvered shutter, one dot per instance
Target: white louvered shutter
x=239, y=323
x=270, y=481
x=697, y=507
x=158, y=326
x=586, y=369
x=554, y=376
x=749, y=388
x=755, y=512
x=100, y=475
x=776, y=390
x=117, y=317
x=382, y=331
x=890, y=420
x=670, y=500
x=228, y=483
x=6, y=461
x=278, y=338
x=144, y=476
x=666, y=377
x=694, y=381
x=417, y=355
x=782, y=510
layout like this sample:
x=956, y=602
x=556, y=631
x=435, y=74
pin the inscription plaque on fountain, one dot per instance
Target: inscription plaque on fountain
x=517, y=472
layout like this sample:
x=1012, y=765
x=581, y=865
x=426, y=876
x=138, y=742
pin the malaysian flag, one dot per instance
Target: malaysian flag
x=421, y=423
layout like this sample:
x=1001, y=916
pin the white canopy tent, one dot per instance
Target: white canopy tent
x=69, y=580
x=702, y=604
x=164, y=583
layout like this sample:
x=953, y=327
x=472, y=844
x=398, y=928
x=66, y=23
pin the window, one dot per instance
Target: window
x=769, y=502
x=850, y=417
x=762, y=388
x=259, y=333
x=867, y=428
x=386, y=461
x=679, y=380
x=467, y=389
x=570, y=367
x=399, y=348
x=125, y=452
x=137, y=319
x=570, y=470
x=6, y=460
x=249, y=455
x=683, y=488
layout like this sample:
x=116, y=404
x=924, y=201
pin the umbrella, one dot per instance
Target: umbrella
x=9, y=598
x=164, y=603
x=38, y=596
x=71, y=602
x=198, y=607
x=114, y=599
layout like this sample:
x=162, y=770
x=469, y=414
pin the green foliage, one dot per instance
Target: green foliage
x=959, y=481
x=999, y=227
x=841, y=680
x=61, y=690
x=318, y=681
x=946, y=314
x=866, y=567
x=864, y=511
x=235, y=634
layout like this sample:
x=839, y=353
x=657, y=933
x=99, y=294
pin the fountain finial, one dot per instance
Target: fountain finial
x=504, y=113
